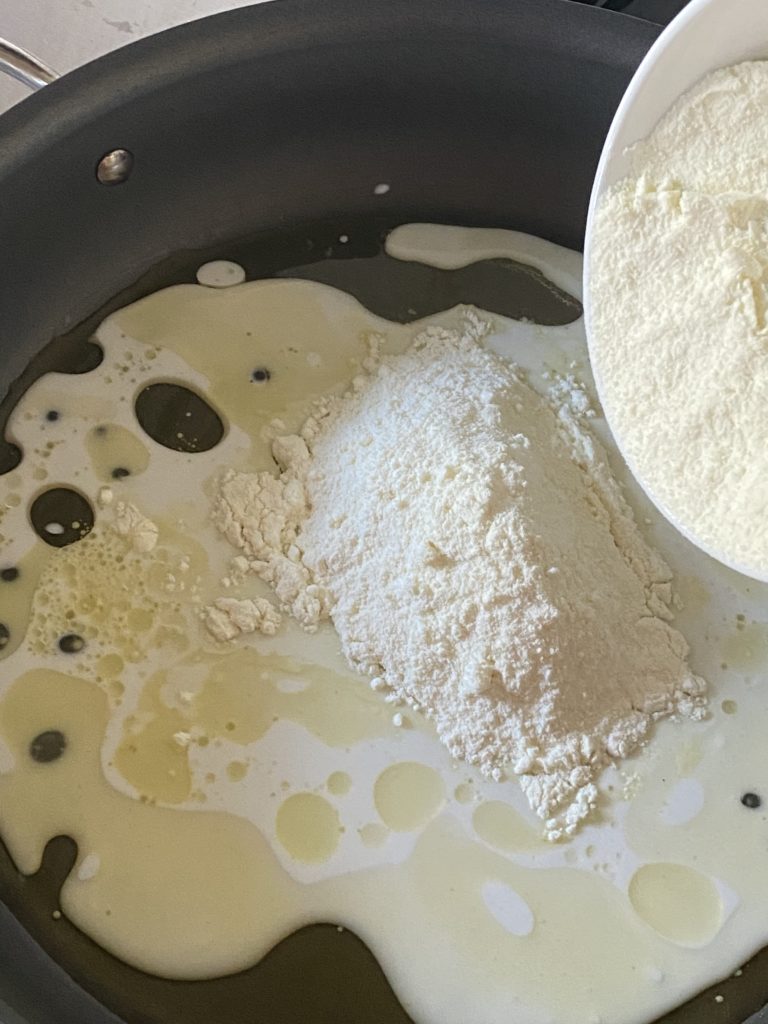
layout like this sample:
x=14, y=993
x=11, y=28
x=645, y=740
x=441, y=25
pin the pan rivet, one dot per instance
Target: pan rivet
x=114, y=168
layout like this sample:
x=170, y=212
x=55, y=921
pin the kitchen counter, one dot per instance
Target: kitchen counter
x=67, y=33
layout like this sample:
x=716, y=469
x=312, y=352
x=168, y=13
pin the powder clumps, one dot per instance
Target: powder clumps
x=140, y=532
x=228, y=617
x=475, y=554
x=679, y=304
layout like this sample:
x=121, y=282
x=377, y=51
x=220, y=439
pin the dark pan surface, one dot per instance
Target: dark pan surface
x=487, y=113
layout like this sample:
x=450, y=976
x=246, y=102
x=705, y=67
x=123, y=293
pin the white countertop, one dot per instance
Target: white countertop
x=66, y=33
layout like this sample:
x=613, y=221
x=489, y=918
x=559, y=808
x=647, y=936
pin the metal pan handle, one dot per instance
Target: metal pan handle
x=25, y=68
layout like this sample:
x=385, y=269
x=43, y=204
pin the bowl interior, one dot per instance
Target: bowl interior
x=706, y=35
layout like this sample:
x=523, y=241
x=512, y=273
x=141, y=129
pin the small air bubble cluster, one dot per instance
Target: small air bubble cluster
x=101, y=598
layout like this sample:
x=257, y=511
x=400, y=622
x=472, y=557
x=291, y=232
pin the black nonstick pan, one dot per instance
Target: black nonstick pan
x=259, y=134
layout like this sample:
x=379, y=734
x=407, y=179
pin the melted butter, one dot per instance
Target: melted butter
x=16, y=598
x=464, y=793
x=118, y=601
x=694, y=594
x=186, y=886
x=339, y=783
x=236, y=696
x=698, y=842
x=114, y=448
x=300, y=334
x=111, y=664
x=308, y=827
x=243, y=696
x=209, y=896
x=152, y=756
x=374, y=834
x=578, y=921
x=678, y=902
x=499, y=825
x=407, y=795
x=237, y=770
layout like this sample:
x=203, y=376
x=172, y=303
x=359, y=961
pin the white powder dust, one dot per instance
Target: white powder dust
x=679, y=301
x=478, y=560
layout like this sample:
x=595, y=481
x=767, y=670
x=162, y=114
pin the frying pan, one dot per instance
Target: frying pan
x=234, y=134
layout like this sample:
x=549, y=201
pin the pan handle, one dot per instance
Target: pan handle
x=25, y=68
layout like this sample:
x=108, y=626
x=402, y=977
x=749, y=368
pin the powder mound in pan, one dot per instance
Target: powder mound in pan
x=471, y=546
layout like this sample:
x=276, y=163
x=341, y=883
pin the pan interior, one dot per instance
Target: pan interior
x=319, y=974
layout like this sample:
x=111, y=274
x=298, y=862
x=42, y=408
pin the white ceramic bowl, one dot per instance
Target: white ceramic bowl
x=706, y=35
